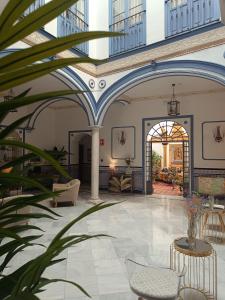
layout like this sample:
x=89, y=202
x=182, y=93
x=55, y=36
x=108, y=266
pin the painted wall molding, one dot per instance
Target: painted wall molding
x=194, y=68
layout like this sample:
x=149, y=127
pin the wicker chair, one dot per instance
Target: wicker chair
x=152, y=282
x=69, y=194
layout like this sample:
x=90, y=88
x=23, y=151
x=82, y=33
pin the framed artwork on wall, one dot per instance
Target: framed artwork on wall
x=213, y=140
x=123, y=142
x=176, y=151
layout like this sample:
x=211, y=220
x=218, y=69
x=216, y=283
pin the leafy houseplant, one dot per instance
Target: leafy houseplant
x=156, y=164
x=120, y=184
x=18, y=68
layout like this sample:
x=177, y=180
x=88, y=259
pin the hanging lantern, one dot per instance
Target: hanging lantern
x=173, y=106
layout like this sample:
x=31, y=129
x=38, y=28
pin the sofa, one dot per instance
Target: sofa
x=69, y=192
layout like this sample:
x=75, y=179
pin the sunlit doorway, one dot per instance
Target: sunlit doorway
x=167, y=159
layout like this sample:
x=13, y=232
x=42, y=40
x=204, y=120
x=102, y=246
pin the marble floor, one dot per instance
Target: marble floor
x=142, y=224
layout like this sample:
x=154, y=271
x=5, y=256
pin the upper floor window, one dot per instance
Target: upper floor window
x=177, y=3
x=129, y=17
x=186, y=15
x=37, y=4
x=74, y=19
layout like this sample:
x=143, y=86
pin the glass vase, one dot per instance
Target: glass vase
x=192, y=231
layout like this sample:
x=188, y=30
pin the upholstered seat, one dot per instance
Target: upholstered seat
x=152, y=283
x=70, y=191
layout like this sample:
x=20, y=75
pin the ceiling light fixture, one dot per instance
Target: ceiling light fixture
x=173, y=106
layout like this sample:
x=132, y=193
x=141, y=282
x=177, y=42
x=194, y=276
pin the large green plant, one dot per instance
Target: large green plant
x=15, y=69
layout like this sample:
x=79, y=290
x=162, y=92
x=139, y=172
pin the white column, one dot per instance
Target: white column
x=95, y=166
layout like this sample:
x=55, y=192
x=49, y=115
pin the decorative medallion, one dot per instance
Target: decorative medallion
x=91, y=83
x=102, y=84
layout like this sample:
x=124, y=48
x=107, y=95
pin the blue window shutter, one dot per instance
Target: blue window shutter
x=186, y=15
x=129, y=17
x=74, y=20
x=198, y=13
x=183, y=16
x=178, y=17
x=214, y=10
x=167, y=19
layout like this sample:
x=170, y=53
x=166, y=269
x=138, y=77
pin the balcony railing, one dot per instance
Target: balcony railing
x=187, y=15
x=34, y=6
x=69, y=23
x=134, y=28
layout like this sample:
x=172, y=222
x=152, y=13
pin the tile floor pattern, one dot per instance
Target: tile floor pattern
x=142, y=224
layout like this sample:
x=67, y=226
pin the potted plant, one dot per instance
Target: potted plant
x=17, y=68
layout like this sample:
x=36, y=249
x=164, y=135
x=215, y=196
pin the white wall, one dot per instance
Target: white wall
x=204, y=108
x=155, y=21
x=68, y=119
x=44, y=134
x=99, y=20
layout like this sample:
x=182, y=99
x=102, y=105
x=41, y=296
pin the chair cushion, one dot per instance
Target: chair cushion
x=155, y=283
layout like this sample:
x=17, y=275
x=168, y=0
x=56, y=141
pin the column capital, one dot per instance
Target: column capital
x=95, y=127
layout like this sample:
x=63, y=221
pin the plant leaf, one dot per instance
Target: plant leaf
x=17, y=161
x=45, y=281
x=8, y=179
x=38, y=52
x=38, y=152
x=21, y=101
x=34, y=21
x=10, y=128
x=11, y=79
x=11, y=13
x=91, y=210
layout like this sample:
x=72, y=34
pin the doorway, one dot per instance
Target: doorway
x=168, y=164
x=80, y=144
x=84, y=158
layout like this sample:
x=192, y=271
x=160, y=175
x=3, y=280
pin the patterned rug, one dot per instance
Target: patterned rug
x=163, y=188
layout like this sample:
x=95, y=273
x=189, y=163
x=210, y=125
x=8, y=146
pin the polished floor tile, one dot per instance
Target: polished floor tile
x=142, y=225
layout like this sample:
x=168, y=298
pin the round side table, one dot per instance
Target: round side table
x=201, y=263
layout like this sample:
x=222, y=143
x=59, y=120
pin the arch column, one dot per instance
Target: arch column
x=95, y=165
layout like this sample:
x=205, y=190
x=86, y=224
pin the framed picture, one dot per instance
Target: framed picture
x=176, y=151
x=123, y=142
x=213, y=140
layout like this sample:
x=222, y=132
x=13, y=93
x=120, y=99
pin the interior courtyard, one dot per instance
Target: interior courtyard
x=144, y=129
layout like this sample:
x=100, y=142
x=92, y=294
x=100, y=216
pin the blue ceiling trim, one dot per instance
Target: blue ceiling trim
x=38, y=110
x=193, y=68
x=75, y=80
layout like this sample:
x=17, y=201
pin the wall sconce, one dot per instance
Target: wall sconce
x=122, y=138
x=218, y=135
x=112, y=168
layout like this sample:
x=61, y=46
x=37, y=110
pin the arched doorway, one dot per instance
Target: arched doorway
x=167, y=159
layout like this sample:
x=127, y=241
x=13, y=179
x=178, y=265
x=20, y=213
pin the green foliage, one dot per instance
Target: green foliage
x=156, y=164
x=16, y=69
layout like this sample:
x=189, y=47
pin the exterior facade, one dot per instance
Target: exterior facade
x=164, y=42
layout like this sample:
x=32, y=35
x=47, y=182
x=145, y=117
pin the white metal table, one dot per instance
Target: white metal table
x=201, y=263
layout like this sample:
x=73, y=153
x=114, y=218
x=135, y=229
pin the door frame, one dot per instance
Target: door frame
x=70, y=133
x=191, y=145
